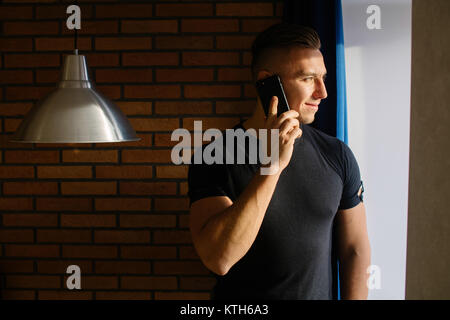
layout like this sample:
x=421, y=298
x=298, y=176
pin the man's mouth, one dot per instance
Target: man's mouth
x=312, y=105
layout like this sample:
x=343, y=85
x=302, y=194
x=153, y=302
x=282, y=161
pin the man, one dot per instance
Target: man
x=270, y=236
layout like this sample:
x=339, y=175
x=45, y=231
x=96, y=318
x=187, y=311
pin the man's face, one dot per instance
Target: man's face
x=302, y=72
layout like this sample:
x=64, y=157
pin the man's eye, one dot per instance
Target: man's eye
x=308, y=79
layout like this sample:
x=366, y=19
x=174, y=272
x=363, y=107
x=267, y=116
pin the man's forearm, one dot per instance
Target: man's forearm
x=353, y=276
x=230, y=234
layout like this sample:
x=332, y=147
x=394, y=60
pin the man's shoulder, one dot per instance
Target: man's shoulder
x=324, y=140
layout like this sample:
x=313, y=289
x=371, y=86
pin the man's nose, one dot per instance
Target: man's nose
x=321, y=91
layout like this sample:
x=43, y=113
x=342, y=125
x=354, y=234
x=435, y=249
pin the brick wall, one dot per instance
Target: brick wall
x=118, y=211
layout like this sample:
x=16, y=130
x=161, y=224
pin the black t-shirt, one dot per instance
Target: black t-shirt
x=291, y=257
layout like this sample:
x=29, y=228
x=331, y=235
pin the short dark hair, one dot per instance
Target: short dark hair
x=282, y=35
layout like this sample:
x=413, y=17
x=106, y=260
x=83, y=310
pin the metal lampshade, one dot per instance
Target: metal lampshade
x=75, y=112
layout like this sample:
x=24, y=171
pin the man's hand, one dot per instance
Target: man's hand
x=289, y=127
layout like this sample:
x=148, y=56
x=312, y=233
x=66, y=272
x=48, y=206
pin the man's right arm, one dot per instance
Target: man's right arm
x=223, y=231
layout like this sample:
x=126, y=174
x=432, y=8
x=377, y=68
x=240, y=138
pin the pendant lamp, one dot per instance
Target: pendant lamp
x=75, y=112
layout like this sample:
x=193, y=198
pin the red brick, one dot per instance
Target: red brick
x=258, y=25
x=184, y=42
x=197, y=283
x=178, y=204
x=16, y=266
x=152, y=91
x=31, y=156
x=111, y=92
x=139, y=156
x=135, y=108
x=27, y=93
x=184, y=75
x=124, y=75
x=88, y=220
x=149, y=26
x=64, y=172
x=244, y=9
x=147, y=252
x=150, y=59
x=90, y=156
x=59, y=12
x=154, y=124
x=122, y=204
x=147, y=220
x=64, y=294
x=123, y=11
x=122, y=295
x=30, y=220
x=250, y=91
x=60, y=44
x=148, y=188
x=183, y=10
x=235, y=107
x=18, y=294
x=183, y=188
x=179, y=267
x=148, y=283
x=123, y=43
x=124, y=172
x=219, y=123
x=15, y=76
x=8, y=172
x=180, y=295
x=16, y=44
x=37, y=281
x=209, y=25
x=212, y=91
x=63, y=204
x=93, y=27
x=11, y=125
x=30, y=188
x=172, y=237
x=29, y=251
x=16, y=13
x=210, y=58
x=23, y=235
x=30, y=28
x=63, y=236
x=246, y=58
x=122, y=267
x=234, y=42
x=85, y=188
x=89, y=251
x=183, y=221
x=60, y=266
x=234, y=74
x=183, y=107
x=171, y=172
x=188, y=253
x=99, y=282
x=102, y=59
x=16, y=204
x=48, y=76
x=122, y=237
x=5, y=143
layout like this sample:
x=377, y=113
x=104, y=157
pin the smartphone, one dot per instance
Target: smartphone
x=269, y=87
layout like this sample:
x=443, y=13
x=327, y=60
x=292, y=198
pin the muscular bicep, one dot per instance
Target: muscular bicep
x=352, y=230
x=204, y=209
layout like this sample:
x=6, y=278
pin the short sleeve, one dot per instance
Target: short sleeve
x=207, y=180
x=351, y=195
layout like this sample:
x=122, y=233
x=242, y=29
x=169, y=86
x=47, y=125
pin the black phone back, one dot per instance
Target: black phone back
x=269, y=87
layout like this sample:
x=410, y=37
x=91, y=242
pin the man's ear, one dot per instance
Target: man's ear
x=262, y=74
